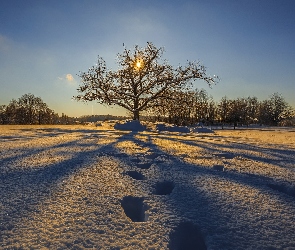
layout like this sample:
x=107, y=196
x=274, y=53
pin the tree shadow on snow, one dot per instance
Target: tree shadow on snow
x=200, y=219
x=200, y=213
x=23, y=189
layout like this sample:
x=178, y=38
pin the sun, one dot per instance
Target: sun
x=138, y=64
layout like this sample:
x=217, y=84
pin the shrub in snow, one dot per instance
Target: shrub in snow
x=133, y=125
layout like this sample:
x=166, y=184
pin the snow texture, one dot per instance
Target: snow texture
x=89, y=187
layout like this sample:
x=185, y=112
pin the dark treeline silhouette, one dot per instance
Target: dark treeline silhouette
x=193, y=107
x=29, y=109
x=184, y=108
x=99, y=118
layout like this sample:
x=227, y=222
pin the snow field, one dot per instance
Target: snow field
x=78, y=187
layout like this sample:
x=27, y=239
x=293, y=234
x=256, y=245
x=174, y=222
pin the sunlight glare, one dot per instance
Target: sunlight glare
x=138, y=64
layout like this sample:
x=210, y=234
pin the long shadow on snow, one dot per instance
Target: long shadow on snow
x=191, y=203
x=27, y=152
x=254, y=180
x=48, y=132
x=283, y=155
x=30, y=151
x=57, y=130
x=22, y=191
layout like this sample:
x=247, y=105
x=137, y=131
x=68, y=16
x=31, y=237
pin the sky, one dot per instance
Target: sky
x=44, y=45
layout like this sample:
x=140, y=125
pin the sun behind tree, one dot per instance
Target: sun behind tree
x=138, y=64
x=140, y=82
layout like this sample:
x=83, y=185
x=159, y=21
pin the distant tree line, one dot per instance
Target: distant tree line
x=183, y=108
x=99, y=118
x=192, y=107
x=29, y=109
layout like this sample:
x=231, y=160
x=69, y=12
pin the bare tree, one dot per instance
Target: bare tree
x=141, y=80
x=212, y=111
x=223, y=110
x=201, y=105
x=236, y=111
x=252, y=110
x=11, y=112
x=3, y=116
x=180, y=107
x=274, y=110
x=186, y=107
x=176, y=109
x=28, y=109
x=280, y=109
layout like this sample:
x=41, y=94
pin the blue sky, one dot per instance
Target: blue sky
x=249, y=44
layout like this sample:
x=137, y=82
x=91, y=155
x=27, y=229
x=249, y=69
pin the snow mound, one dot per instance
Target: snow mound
x=202, y=130
x=133, y=125
x=164, y=127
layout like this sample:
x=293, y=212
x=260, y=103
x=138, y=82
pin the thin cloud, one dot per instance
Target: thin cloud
x=68, y=79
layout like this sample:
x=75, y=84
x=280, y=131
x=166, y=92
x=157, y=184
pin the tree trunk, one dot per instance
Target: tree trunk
x=136, y=115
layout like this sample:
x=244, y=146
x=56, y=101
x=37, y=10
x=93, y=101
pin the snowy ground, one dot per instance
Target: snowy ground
x=87, y=187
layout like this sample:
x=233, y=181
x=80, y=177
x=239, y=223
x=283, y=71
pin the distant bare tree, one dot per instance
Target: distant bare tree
x=236, y=111
x=201, y=105
x=274, y=110
x=3, y=116
x=212, y=111
x=252, y=110
x=28, y=109
x=11, y=112
x=140, y=82
x=181, y=108
x=187, y=107
x=178, y=109
x=280, y=109
x=223, y=110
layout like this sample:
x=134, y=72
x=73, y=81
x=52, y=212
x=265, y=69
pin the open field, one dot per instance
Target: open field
x=87, y=187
